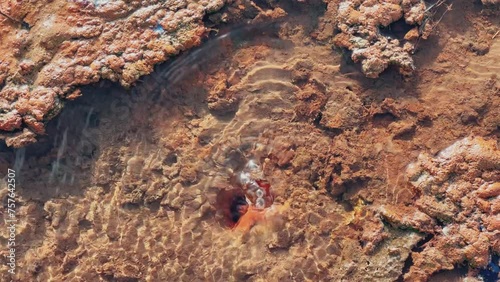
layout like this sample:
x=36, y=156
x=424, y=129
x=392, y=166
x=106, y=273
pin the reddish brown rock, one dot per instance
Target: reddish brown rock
x=489, y=190
x=129, y=168
x=459, y=188
x=61, y=45
x=10, y=121
x=407, y=217
x=21, y=139
x=490, y=2
x=359, y=24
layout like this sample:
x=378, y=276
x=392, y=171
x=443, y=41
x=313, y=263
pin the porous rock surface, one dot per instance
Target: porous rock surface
x=122, y=186
x=47, y=56
x=49, y=49
x=490, y=2
x=460, y=194
x=358, y=27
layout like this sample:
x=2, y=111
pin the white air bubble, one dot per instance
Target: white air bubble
x=253, y=185
x=244, y=177
x=252, y=165
x=259, y=193
x=260, y=203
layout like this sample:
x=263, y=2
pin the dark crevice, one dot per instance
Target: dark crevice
x=69, y=266
x=170, y=159
x=231, y=205
x=496, y=132
x=262, y=4
x=348, y=188
x=406, y=135
x=317, y=119
x=426, y=122
x=337, y=169
x=154, y=206
x=4, y=148
x=225, y=116
x=383, y=119
x=409, y=261
x=492, y=271
x=24, y=25
x=396, y=30
x=362, y=243
x=235, y=206
x=85, y=224
x=248, y=276
x=420, y=245
x=35, y=269
x=329, y=183
x=440, y=222
x=330, y=132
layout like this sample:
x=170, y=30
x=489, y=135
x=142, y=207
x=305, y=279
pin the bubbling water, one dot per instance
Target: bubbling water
x=256, y=189
x=248, y=197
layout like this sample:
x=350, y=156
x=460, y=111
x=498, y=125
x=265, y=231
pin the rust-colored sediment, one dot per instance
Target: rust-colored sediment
x=50, y=49
x=379, y=180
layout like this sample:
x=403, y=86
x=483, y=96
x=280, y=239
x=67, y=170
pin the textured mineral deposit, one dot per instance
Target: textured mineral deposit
x=386, y=179
x=378, y=34
x=51, y=49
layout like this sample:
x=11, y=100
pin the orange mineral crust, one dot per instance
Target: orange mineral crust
x=262, y=154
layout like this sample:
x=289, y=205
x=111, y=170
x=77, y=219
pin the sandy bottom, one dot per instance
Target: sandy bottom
x=123, y=187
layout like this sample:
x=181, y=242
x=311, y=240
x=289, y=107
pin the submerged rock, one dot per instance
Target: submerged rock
x=49, y=49
x=378, y=33
x=490, y=2
x=460, y=190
